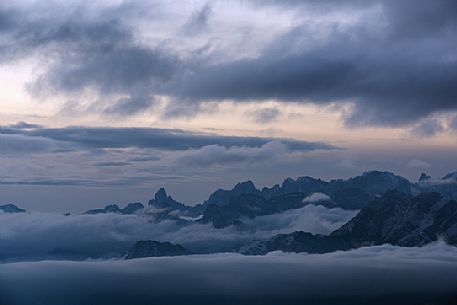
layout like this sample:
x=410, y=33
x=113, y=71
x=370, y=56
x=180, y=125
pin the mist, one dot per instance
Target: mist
x=44, y=235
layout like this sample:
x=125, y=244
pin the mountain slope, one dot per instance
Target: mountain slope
x=150, y=248
x=395, y=218
x=446, y=186
x=10, y=208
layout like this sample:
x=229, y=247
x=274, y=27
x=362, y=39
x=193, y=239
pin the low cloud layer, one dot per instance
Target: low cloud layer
x=316, y=197
x=39, y=234
x=220, y=155
x=376, y=275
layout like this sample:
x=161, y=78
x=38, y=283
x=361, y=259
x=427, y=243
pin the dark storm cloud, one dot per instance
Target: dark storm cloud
x=398, y=67
x=164, y=139
x=98, y=53
x=395, y=74
x=28, y=32
x=389, y=84
x=413, y=19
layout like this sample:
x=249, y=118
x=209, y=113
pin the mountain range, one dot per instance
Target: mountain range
x=390, y=209
x=225, y=208
x=395, y=218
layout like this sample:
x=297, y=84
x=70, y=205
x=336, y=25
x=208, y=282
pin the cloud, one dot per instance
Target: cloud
x=428, y=128
x=316, y=197
x=166, y=139
x=415, y=163
x=13, y=144
x=311, y=218
x=92, y=50
x=137, y=157
x=388, y=73
x=215, y=154
x=266, y=115
x=91, y=181
x=48, y=181
x=453, y=124
x=374, y=275
x=37, y=234
x=111, y=163
x=24, y=125
x=199, y=20
x=395, y=62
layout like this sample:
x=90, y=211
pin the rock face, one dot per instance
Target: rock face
x=364, y=188
x=131, y=208
x=298, y=241
x=424, y=177
x=352, y=194
x=452, y=176
x=162, y=201
x=164, y=207
x=446, y=186
x=251, y=206
x=10, y=208
x=228, y=207
x=395, y=218
x=149, y=248
x=223, y=197
x=403, y=220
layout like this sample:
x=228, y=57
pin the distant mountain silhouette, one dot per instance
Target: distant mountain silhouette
x=149, y=248
x=228, y=207
x=11, y=208
x=131, y=208
x=391, y=210
x=351, y=194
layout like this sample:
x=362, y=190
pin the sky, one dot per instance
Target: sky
x=105, y=102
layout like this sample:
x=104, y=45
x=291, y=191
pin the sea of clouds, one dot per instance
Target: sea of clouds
x=375, y=275
x=26, y=236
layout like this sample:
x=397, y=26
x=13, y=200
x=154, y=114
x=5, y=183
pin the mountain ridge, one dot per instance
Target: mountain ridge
x=395, y=218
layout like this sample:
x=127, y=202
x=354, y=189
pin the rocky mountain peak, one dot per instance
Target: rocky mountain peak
x=11, y=208
x=246, y=187
x=451, y=176
x=161, y=195
x=424, y=177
